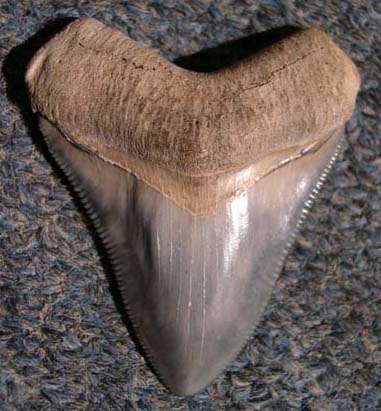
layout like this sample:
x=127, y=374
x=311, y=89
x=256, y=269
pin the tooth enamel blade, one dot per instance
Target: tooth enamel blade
x=194, y=286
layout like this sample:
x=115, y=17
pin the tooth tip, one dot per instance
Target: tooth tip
x=187, y=388
x=186, y=382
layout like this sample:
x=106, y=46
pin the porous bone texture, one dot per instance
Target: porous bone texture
x=186, y=133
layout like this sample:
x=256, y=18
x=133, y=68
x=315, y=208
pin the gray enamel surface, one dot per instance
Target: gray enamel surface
x=195, y=287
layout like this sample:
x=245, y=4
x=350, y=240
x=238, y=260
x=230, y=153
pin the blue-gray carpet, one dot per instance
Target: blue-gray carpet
x=63, y=342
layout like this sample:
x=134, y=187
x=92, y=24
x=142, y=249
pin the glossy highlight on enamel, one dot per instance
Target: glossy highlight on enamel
x=196, y=245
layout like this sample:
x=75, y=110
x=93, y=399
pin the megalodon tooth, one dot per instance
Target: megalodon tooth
x=196, y=182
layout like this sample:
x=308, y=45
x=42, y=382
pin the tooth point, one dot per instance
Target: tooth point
x=187, y=387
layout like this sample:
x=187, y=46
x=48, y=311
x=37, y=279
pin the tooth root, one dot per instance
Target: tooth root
x=194, y=287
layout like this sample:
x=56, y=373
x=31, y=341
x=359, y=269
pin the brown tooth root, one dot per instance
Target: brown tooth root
x=196, y=182
x=172, y=127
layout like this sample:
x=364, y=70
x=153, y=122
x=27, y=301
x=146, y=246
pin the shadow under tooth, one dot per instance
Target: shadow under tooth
x=194, y=287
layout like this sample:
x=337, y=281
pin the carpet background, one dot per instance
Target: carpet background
x=63, y=342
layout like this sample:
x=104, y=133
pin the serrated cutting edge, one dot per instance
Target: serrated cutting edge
x=107, y=243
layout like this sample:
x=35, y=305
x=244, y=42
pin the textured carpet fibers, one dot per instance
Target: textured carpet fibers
x=64, y=344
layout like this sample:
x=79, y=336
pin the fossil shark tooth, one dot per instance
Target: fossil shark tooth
x=196, y=182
